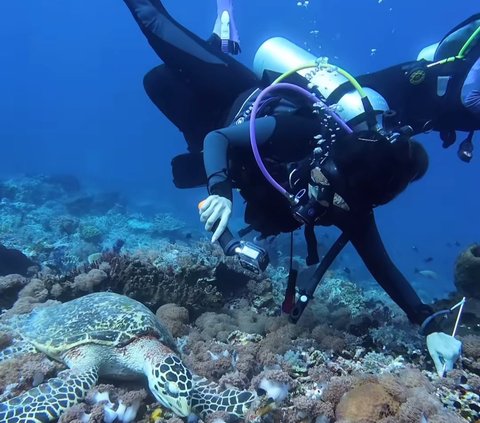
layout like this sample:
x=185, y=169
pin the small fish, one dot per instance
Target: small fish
x=428, y=260
x=347, y=270
x=188, y=235
x=117, y=246
x=415, y=248
x=428, y=274
x=457, y=244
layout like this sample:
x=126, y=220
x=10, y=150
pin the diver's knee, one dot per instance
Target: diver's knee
x=155, y=79
x=210, y=139
x=472, y=102
x=419, y=160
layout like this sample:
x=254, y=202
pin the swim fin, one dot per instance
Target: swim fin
x=225, y=27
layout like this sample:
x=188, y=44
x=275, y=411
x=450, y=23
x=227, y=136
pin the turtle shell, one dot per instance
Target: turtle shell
x=103, y=318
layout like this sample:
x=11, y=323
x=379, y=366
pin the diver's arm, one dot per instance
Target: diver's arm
x=444, y=349
x=218, y=144
x=363, y=233
x=215, y=159
x=285, y=136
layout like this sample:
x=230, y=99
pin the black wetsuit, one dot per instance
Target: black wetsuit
x=200, y=89
x=427, y=96
x=197, y=84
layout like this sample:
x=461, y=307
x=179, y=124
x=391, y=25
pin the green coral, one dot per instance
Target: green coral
x=91, y=233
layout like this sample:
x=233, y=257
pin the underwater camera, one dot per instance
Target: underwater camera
x=251, y=256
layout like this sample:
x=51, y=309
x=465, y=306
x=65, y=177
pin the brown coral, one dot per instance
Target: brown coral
x=175, y=318
x=467, y=272
x=34, y=293
x=87, y=282
x=193, y=287
x=366, y=403
x=215, y=326
x=23, y=373
x=10, y=285
x=471, y=346
x=310, y=406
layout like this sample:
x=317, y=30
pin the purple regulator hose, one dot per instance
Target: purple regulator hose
x=256, y=108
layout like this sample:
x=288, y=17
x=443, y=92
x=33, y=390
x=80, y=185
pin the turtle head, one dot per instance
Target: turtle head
x=171, y=383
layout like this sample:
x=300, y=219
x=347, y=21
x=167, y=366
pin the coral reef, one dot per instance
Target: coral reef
x=24, y=373
x=89, y=282
x=198, y=280
x=352, y=356
x=9, y=287
x=190, y=283
x=366, y=403
x=175, y=318
x=14, y=261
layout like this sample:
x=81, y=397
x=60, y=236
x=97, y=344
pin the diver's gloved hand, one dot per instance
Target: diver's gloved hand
x=444, y=350
x=215, y=208
x=225, y=27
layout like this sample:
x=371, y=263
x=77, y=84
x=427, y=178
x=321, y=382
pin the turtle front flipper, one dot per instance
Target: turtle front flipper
x=17, y=349
x=46, y=402
x=208, y=397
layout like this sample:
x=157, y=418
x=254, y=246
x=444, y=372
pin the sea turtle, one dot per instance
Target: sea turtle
x=107, y=334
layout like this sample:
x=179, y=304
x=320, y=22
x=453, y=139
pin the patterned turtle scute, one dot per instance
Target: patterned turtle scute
x=102, y=318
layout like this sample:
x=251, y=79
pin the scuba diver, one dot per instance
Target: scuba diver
x=313, y=163
x=440, y=90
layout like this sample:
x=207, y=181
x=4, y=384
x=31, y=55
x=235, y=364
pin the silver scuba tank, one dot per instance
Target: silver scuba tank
x=281, y=55
x=428, y=53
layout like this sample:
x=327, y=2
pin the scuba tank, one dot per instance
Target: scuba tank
x=428, y=53
x=281, y=55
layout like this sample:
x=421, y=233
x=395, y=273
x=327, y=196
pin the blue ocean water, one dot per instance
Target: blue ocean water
x=72, y=101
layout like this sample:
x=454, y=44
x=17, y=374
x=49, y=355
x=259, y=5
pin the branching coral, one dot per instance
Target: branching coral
x=339, y=291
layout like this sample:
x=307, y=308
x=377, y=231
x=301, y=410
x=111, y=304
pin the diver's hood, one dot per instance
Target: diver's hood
x=369, y=169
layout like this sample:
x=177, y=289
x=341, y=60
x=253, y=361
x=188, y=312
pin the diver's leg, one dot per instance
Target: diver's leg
x=207, y=70
x=225, y=28
x=364, y=236
x=187, y=111
x=471, y=90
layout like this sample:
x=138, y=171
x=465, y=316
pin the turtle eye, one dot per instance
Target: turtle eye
x=172, y=389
